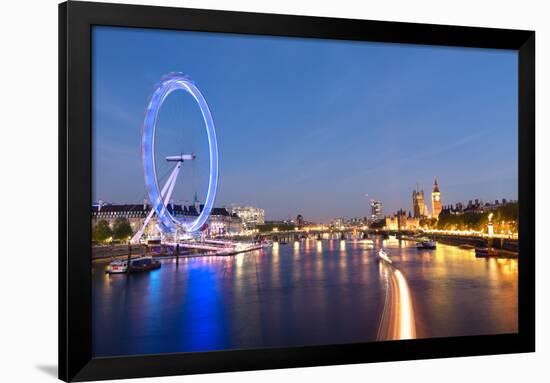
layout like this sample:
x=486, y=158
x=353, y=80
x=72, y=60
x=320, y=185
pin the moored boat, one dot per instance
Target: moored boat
x=144, y=264
x=120, y=266
x=267, y=243
x=117, y=267
x=483, y=252
x=426, y=245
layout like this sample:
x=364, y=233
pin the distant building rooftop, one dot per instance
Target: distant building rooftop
x=143, y=209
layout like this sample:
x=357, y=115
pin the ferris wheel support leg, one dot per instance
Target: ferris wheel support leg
x=168, y=186
x=166, y=196
x=139, y=233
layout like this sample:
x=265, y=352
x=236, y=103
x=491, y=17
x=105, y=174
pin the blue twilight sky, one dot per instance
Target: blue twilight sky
x=305, y=125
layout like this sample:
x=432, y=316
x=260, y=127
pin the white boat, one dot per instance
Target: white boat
x=267, y=243
x=384, y=256
x=117, y=267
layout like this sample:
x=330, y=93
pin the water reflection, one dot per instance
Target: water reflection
x=398, y=319
x=311, y=292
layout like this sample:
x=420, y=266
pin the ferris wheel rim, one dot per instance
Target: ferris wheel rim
x=168, y=84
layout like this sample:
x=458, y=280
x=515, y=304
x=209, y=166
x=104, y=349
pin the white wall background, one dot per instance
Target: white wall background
x=28, y=192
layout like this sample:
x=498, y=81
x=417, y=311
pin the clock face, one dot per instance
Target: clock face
x=436, y=198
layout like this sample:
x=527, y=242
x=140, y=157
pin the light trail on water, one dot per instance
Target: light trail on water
x=397, y=320
x=407, y=325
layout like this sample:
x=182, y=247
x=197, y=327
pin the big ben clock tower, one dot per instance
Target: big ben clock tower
x=436, y=200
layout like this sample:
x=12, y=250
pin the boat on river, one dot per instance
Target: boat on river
x=266, y=243
x=484, y=252
x=426, y=245
x=384, y=256
x=120, y=266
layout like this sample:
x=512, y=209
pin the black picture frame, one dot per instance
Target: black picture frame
x=75, y=302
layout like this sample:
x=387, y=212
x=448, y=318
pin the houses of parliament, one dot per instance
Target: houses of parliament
x=420, y=209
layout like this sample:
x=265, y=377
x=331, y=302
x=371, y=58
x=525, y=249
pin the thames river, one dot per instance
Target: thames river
x=303, y=293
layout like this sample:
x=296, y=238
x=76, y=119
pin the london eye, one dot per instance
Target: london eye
x=167, y=222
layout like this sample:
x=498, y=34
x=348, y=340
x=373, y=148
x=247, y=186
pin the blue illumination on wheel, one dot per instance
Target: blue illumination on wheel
x=167, y=221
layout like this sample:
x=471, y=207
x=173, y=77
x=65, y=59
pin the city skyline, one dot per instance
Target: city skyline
x=347, y=119
x=368, y=214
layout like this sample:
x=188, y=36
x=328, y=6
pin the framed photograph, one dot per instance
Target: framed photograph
x=245, y=191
